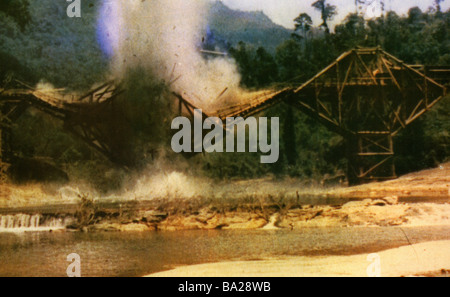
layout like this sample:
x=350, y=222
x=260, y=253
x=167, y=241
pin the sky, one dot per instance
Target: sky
x=283, y=12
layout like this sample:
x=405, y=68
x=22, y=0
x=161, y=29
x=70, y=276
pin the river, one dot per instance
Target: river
x=138, y=254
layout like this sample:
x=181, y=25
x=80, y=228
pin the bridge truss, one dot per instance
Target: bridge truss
x=80, y=115
x=367, y=96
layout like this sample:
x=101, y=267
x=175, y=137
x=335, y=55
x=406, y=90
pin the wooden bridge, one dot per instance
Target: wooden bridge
x=80, y=114
x=366, y=95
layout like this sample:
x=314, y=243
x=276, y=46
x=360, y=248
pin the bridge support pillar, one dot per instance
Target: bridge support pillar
x=5, y=151
x=370, y=157
x=8, y=115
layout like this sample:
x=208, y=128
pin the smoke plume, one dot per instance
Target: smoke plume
x=165, y=37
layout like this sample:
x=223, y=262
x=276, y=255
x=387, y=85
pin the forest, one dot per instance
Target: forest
x=33, y=44
x=416, y=38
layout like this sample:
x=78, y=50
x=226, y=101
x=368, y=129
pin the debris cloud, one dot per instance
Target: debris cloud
x=165, y=38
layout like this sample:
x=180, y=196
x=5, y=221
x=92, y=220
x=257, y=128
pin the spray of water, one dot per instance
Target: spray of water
x=163, y=39
x=19, y=223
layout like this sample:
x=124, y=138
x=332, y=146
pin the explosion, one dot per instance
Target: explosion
x=165, y=38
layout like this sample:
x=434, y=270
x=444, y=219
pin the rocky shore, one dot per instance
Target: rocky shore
x=378, y=212
x=419, y=199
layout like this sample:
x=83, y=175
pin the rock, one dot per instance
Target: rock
x=391, y=200
x=367, y=202
x=136, y=228
x=317, y=214
x=378, y=203
x=112, y=227
x=154, y=216
x=105, y=227
x=220, y=227
x=359, y=203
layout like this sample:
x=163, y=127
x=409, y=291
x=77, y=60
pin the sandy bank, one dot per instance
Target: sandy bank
x=419, y=259
x=431, y=184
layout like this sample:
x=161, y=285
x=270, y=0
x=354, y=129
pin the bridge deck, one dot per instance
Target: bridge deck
x=440, y=74
x=258, y=103
x=80, y=114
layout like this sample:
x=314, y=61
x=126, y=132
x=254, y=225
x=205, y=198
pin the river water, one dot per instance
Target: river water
x=138, y=254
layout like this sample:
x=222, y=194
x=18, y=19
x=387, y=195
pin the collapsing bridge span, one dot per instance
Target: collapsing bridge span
x=80, y=114
x=366, y=95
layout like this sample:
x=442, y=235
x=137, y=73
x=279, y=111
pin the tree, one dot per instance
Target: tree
x=289, y=57
x=243, y=56
x=17, y=10
x=415, y=15
x=437, y=3
x=303, y=22
x=327, y=11
x=266, y=69
x=352, y=33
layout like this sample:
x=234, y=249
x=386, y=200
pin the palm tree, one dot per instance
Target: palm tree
x=327, y=11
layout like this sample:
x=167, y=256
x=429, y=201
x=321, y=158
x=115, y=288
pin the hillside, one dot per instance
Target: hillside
x=255, y=28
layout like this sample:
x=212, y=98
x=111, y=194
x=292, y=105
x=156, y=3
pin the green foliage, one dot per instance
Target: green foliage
x=303, y=23
x=426, y=143
x=17, y=10
x=308, y=149
x=351, y=33
x=258, y=68
x=290, y=57
x=54, y=48
x=46, y=45
x=230, y=165
x=327, y=12
x=33, y=127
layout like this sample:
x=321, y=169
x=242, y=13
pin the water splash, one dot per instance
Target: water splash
x=30, y=223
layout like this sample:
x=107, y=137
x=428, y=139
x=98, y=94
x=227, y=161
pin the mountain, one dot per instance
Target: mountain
x=254, y=28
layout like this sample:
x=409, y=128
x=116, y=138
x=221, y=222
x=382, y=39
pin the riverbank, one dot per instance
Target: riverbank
x=418, y=199
x=291, y=230
x=134, y=254
x=147, y=217
x=430, y=258
x=365, y=213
